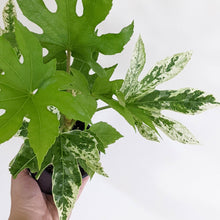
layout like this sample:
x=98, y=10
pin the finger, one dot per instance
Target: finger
x=84, y=181
x=23, y=179
x=23, y=185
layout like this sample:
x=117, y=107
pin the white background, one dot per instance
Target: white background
x=155, y=181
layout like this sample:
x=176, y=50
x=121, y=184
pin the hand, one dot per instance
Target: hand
x=29, y=203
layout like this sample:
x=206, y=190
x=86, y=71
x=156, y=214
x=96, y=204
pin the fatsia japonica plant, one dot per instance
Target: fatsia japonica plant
x=42, y=98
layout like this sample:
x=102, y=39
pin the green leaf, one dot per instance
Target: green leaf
x=120, y=109
x=12, y=40
x=18, y=84
x=175, y=130
x=48, y=160
x=106, y=133
x=81, y=106
x=78, y=34
x=136, y=66
x=110, y=70
x=142, y=115
x=61, y=58
x=187, y=101
x=104, y=87
x=83, y=67
x=9, y=16
x=28, y=89
x=121, y=98
x=25, y=158
x=146, y=131
x=79, y=83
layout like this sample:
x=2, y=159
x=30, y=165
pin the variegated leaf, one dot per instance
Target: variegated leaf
x=1, y=31
x=84, y=146
x=162, y=72
x=100, y=146
x=70, y=149
x=9, y=15
x=136, y=66
x=146, y=131
x=66, y=178
x=187, y=101
x=25, y=158
x=86, y=168
x=175, y=130
x=142, y=115
x=23, y=131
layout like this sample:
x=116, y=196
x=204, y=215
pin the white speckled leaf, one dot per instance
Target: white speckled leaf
x=136, y=66
x=175, y=130
x=146, y=131
x=25, y=158
x=70, y=150
x=23, y=131
x=145, y=103
x=1, y=31
x=84, y=145
x=86, y=168
x=186, y=100
x=9, y=14
x=162, y=72
x=66, y=178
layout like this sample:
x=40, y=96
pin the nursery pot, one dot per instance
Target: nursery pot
x=45, y=180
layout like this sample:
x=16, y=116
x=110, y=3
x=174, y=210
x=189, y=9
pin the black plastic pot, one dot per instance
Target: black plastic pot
x=45, y=180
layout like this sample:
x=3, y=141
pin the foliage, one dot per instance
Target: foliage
x=42, y=98
x=28, y=95
x=78, y=34
x=145, y=102
x=9, y=15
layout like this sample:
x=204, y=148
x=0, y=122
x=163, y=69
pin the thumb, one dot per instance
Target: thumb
x=23, y=185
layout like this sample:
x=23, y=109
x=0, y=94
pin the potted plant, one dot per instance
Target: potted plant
x=50, y=101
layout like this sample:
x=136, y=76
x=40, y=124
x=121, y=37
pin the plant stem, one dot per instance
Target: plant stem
x=68, y=57
x=103, y=108
x=67, y=124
